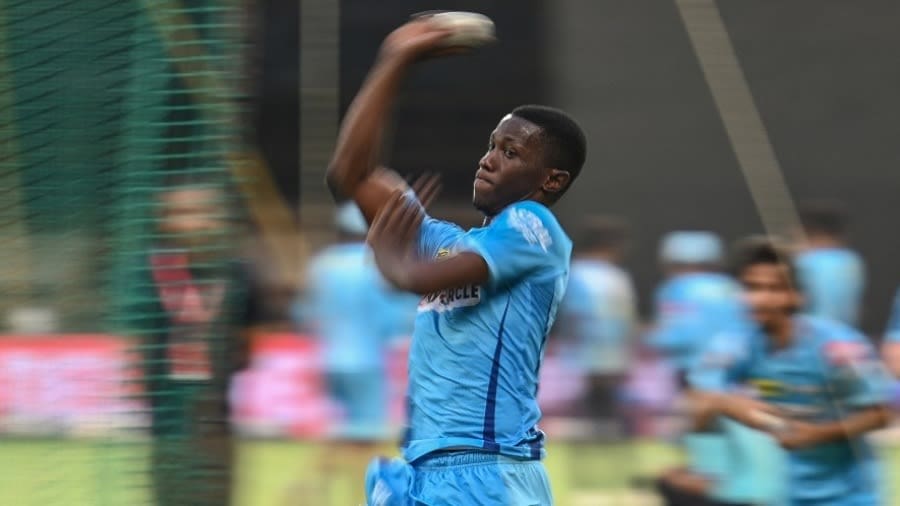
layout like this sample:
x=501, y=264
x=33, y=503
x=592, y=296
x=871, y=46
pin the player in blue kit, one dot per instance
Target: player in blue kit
x=490, y=293
x=830, y=273
x=892, y=338
x=819, y=387
x=696, y=302
x=891, y=350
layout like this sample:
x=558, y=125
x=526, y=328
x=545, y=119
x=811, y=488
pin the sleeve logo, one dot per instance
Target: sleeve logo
x=531, y=227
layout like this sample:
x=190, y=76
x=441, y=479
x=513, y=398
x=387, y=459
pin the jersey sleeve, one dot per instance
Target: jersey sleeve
x=722, y=365
x=680, y=323
x=435, y=235
x=520, y=242
x=856, y=375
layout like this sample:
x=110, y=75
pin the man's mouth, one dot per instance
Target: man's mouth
x=480, y=177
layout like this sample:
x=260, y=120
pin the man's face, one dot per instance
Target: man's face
x=513, y=167
x=769, y=292
x=192, y=217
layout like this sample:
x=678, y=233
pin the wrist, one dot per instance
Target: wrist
x=720, y=404
x=824, y=432
x=396, y=60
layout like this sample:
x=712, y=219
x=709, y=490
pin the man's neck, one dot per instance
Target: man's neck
x=781, y=332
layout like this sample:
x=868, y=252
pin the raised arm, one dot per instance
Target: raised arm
x=352, y=171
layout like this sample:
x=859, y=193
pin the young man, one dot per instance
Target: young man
x=819, y=386
x=196, y=307
x=831, y=275
x=698, y=305
x=490, y=293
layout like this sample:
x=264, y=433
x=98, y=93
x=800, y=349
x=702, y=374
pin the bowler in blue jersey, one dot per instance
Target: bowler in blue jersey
x=489, y=294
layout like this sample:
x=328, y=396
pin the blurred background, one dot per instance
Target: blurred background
x=187, y=317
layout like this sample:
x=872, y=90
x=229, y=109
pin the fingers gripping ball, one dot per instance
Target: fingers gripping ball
x=470, y=29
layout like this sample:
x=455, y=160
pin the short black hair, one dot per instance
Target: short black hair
x=602, y=233
x=823, y=217
x=756, y=250
x=565, y=146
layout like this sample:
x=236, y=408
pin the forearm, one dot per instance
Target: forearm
x=424, y=277
x=359, y=141
x=854, y=425
x=705, y=407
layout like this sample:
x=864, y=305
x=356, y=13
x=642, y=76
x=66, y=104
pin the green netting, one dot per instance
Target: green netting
x=106, y=108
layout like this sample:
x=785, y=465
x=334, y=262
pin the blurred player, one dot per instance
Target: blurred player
x=598, y=313
x=355, y=313
x=819, y=384
x=699, y=305
x=891, y=343
x=831, y=275
x=192, y=321
x=891, y=350
x=696, y=302
x=490, y=293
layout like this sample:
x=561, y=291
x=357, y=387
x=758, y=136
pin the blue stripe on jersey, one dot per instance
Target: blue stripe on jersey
x=536, y=447
x=490, y=408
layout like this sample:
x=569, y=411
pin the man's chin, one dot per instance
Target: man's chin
x=480, y=205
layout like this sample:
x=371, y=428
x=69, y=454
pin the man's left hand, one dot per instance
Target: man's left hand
x=393, y=235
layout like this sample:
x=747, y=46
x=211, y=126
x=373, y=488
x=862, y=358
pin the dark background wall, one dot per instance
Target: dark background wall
x=823, y=75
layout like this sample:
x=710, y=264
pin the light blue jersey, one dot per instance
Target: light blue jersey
x=352, y=309
x=693, y=309
x=476, y=350
x=600, y=310
x=892, y=333
x=833, y=280
x=828, y=371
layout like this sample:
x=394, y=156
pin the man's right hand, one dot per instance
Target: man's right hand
x=417, y=39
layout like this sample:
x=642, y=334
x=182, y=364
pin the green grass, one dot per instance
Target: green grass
x=75, y=473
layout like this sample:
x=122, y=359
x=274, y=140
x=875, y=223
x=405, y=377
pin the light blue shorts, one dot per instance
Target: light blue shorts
x=458, y=478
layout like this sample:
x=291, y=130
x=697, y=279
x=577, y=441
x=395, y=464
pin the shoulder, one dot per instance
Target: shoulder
x=535, y=222
x=826, y=330
x=838, y=342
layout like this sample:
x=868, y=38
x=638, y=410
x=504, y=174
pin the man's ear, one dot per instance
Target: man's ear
x=557, y=181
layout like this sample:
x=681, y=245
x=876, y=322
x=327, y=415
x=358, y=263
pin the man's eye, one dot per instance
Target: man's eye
x=509, y=153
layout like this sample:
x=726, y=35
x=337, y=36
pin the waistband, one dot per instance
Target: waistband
x=444, y=458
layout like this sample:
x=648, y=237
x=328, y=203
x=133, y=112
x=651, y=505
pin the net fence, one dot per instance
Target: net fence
x=117, y=232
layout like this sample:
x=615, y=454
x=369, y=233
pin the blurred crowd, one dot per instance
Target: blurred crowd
x=606, y=373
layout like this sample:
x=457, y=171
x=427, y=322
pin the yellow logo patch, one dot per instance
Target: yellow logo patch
x=768, y=388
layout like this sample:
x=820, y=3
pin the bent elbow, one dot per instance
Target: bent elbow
x=337, y=182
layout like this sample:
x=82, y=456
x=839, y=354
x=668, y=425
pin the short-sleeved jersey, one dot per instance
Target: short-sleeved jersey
x=599, y=309
x=832, y=280
x=692, y=309
x=343, y=280
x=828, y=371
x=476, y=350
x=892, y=333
